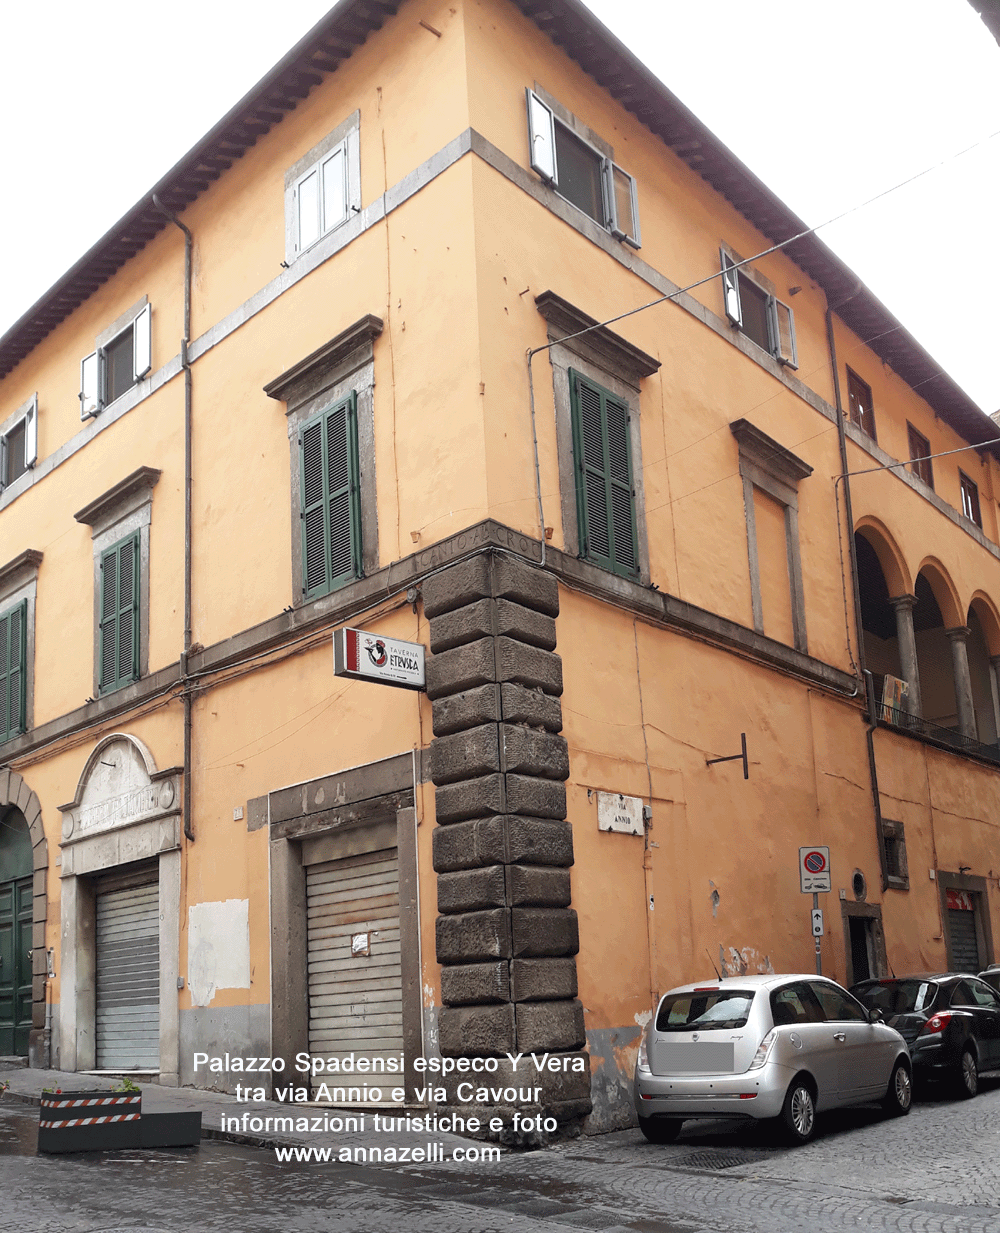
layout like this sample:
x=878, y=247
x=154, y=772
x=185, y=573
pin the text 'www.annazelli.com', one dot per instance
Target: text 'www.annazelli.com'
x=386, y=1155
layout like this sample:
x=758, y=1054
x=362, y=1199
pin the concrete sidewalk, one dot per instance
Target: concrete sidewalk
x=259, y=1122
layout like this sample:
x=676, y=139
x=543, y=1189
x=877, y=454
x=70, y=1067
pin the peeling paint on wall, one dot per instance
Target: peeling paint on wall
x=744, y=962
x=218, y=948
x=612, y=1064
x=643, y=1017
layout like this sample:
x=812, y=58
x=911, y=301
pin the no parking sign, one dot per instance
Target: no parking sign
x=814, y=870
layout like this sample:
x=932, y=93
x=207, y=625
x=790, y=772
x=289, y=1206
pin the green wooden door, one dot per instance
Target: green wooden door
x=15, y=933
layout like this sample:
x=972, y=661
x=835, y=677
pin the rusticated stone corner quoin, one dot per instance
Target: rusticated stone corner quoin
x=506, y=934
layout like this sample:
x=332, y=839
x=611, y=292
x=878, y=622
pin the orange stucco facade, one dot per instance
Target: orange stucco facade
x=736, y=616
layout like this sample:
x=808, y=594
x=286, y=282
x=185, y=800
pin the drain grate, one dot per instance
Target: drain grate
x=720, y=1158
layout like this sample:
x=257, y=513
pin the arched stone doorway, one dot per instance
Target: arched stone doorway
x=23, y=910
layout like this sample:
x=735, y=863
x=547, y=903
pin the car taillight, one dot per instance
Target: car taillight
x=642, y=1061
x=763, y=1049
x=936, y=1023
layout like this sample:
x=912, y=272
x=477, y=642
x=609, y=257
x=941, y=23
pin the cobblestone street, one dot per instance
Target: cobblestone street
x=936, y=1171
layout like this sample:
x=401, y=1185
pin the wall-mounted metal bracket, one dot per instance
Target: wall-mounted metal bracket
x=740, y=757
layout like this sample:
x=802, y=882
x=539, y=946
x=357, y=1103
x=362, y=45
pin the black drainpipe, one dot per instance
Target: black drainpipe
x=856, y=589
x=186, y=366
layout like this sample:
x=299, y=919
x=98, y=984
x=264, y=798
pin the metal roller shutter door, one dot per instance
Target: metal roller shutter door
x=964, y=946
x=128, y=979
x=355, y=1001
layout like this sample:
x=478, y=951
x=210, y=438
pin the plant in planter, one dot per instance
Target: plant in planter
x=104, y=1120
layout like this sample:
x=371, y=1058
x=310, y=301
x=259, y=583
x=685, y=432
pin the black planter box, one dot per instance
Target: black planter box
x=89, y=1121
x=170, y=1130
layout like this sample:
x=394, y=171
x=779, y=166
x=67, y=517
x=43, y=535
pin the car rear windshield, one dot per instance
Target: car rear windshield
x=898, y=997
x=706, y=1009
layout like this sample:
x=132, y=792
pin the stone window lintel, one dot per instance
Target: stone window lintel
x=600, y=346
x=299, y=382
x=121, y=499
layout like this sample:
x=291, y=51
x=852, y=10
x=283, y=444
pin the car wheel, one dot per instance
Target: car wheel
x=967, y=1084
x=899, y=1095
x=660, y=1129
x=799, y=1112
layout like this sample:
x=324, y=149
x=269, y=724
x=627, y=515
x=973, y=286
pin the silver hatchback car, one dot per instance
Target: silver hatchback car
x=765, y=1047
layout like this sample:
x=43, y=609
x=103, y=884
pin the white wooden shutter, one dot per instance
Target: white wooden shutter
x=731, y=289
x=307, y=209
x=335, y=188
x=542, y=138
x=622, y=203
x=31, y=433
x=142, y=344
x=90, y=385
x=784, y=334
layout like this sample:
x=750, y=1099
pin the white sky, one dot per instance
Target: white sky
x=828, y=103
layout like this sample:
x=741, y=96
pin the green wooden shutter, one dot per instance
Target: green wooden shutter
x=119, y=605
x=13, y=670
x=331, y=498
x=605, y=498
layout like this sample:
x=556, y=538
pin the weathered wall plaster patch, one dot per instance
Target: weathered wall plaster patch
x=218, y=948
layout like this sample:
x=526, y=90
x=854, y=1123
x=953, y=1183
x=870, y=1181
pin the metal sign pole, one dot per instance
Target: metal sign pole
x=819, y=955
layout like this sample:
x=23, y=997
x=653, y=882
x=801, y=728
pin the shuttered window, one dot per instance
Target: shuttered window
x=331, y=498
x=13, y=670
x=119, y=621
x=605, y=497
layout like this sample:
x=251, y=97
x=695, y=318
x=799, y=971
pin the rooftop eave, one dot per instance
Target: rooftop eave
x=335, y=37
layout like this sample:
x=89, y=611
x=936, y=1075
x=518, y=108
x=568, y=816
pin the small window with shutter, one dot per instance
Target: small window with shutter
x=323, y=189
x=970, y=499
x=118, y=363
x=757, y=312
x=13, y=670
x=118, y=650
x=19, y=442
x=330, y=497
x=605, y=497
x=861, y=405
x=579, y=172
x=920, y=459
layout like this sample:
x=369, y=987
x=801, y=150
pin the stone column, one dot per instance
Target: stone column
x=959, y=638
x=506, y=935
x=904, y=605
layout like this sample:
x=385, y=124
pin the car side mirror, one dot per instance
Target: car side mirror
x=875, y=1015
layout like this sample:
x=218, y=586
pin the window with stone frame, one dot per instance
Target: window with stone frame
x=121, y=359
x=861, y=406
x=18, y=586
x=329, y=405
x=120, y=521
x=753, y=307
x=596, y=383
x=920, y=461
x=970, y=499
x=894, y=846
x=323, y=188
x=19, y=442
x=772, y=470
x=580, y=166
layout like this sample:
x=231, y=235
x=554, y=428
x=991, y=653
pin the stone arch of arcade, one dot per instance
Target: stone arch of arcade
x=921, y=633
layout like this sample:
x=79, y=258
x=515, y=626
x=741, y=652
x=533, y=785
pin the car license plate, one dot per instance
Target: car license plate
x=689, y=1057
